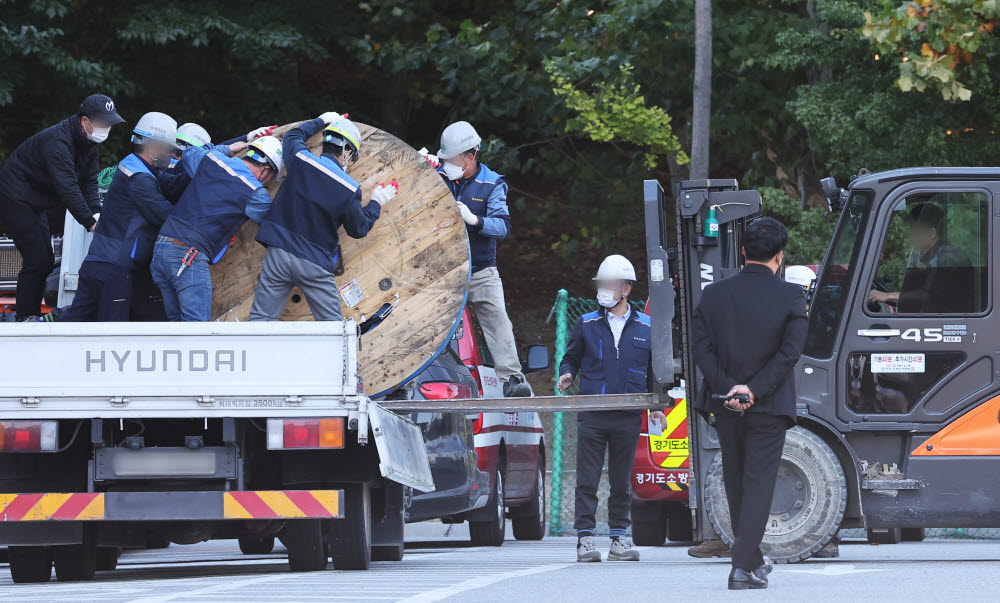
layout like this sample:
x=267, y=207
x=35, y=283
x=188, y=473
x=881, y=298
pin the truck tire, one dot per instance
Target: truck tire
x=388, y=531
x=913, y=534
x=885, y=535
x=29, y=564
x=256, y=545
x=156, y=541
x=492, y=531
x=679, y=525
x=810, y=498
x=107, y=558
x=649, y=523
x=351, y=537
x=306, y=546
x=76, y=562
x=529, y=523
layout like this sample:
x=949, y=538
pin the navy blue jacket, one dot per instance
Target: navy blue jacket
x=316, y=198
x=137, y=203
x=486, y=196
x=603, y=368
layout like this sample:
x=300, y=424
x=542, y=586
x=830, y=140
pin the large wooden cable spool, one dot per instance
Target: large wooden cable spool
x=416, y=258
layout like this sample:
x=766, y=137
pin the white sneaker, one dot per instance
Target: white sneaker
x=586, y=550
x=622, y=550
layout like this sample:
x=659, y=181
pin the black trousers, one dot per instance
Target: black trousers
x=30, y=231
x=618, y=433
x=751, y=452
x=147, y=301
x=103, y=294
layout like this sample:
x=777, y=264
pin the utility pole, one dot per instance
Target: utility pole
x=701, y=118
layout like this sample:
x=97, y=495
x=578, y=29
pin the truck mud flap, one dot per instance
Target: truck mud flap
x=172, y=506
x=401, y=452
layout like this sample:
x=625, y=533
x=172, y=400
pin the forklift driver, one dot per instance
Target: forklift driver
x=936, y=269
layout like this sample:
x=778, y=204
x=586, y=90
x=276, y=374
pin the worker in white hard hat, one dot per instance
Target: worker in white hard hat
x=300, y=232
x=191, y=134
x=223, y=193
x=482, y=201
x=609, y=350
x=138, y=200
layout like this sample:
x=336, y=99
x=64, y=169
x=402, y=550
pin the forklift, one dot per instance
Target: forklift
x=898, y=387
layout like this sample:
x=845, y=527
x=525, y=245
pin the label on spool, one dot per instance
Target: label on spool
x=352, y=293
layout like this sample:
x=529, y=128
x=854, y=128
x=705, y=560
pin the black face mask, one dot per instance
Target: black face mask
x=162, y=161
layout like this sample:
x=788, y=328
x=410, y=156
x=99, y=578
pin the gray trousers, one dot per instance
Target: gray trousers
x=281, y=272
x=487, y=301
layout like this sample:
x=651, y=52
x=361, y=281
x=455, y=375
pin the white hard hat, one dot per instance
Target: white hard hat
x=615, y=268
x=458, y=138
x=192, y=135
x=267, y=149
x=344, y=131
x=802, y=276
x=155, y=126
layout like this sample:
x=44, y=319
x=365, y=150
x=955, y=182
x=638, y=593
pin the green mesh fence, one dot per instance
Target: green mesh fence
x=561, y=432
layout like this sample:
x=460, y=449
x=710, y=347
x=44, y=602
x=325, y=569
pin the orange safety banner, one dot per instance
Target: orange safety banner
x=287, y=504
x=80, y=506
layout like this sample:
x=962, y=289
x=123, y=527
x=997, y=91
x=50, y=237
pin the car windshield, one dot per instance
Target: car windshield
x=838, y=272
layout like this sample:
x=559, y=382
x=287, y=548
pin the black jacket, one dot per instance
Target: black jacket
x=56, y=167
x=750, y=329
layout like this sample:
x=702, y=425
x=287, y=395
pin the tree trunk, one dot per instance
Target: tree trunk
x=701, y=118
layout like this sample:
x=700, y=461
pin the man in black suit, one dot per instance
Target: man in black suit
x=748, y=333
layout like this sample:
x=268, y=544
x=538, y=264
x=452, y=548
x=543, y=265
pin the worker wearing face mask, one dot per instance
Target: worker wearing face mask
x=55, y=168
x=224, y=192
x=315, y=200
x=482, y=200
x=609, y=350
x=191, y=134
x=137, y=203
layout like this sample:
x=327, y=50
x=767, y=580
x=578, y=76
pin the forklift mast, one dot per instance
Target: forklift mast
x=704, y=256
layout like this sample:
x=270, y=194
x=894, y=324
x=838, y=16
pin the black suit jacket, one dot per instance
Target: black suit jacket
x=750, y=329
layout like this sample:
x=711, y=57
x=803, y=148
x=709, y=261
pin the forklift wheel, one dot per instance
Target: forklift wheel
x=810, y=497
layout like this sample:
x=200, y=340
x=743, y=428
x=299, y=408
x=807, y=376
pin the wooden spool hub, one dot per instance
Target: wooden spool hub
x=416, y=257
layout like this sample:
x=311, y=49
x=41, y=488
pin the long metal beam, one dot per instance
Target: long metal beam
x=535, y=404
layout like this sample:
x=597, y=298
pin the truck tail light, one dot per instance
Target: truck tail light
x=29, y=436
x=444, y=390
x=477, y=425
x=285, y=434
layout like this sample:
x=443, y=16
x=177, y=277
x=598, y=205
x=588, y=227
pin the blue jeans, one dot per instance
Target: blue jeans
x=187, y=297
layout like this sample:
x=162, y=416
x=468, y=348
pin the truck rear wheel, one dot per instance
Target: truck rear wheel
x=255, y=545
x=387, y=533
x=649, y=523
x=913, y=534
x=306, y=547
x=810, y=497
x=351, y=537
x=679, y=524
x=529, y=523
x=76, y=562
x=29, y=564
x=107, y=558
x=492, y=531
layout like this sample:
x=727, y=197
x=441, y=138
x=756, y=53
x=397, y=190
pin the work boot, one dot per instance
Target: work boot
x=586, y=550
x=515, y=388
x=830, y=551
x=622, y=550
x=709, y=549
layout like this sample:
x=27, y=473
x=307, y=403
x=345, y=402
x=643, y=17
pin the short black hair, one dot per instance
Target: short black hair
x=763, y=239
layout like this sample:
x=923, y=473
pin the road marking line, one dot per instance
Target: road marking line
x=228, y=585
x=475, y=583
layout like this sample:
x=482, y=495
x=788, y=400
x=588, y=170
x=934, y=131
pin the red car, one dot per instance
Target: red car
x=510, y=447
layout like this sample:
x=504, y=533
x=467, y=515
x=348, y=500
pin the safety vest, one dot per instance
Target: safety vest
x=123, y=236
x=308, y=209
x=474, y=193
x=213, y=206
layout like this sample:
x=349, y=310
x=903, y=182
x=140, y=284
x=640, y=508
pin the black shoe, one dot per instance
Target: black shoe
x=742, y=580
x=515, y=388
x=764, y=569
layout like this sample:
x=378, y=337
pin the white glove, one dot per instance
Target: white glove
x=431, y=159
x=97, y=216
x=253, y=135
x=385, y=193
x=470, y=218
x=330, y=116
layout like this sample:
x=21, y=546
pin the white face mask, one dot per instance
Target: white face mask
x=606, y=297
x=99, y=134
x=452, y=171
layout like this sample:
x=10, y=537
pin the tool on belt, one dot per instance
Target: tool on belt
x=187, y=259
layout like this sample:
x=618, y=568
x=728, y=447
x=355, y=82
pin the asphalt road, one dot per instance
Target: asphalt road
x=943, y=570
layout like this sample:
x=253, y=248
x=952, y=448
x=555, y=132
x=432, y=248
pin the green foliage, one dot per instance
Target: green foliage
x=809, y=231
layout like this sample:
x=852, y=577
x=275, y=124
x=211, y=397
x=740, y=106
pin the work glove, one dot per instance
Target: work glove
x=470, y=218
x=331, y=116
x=431, y=159
x=261, y=131
x=384, y=193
